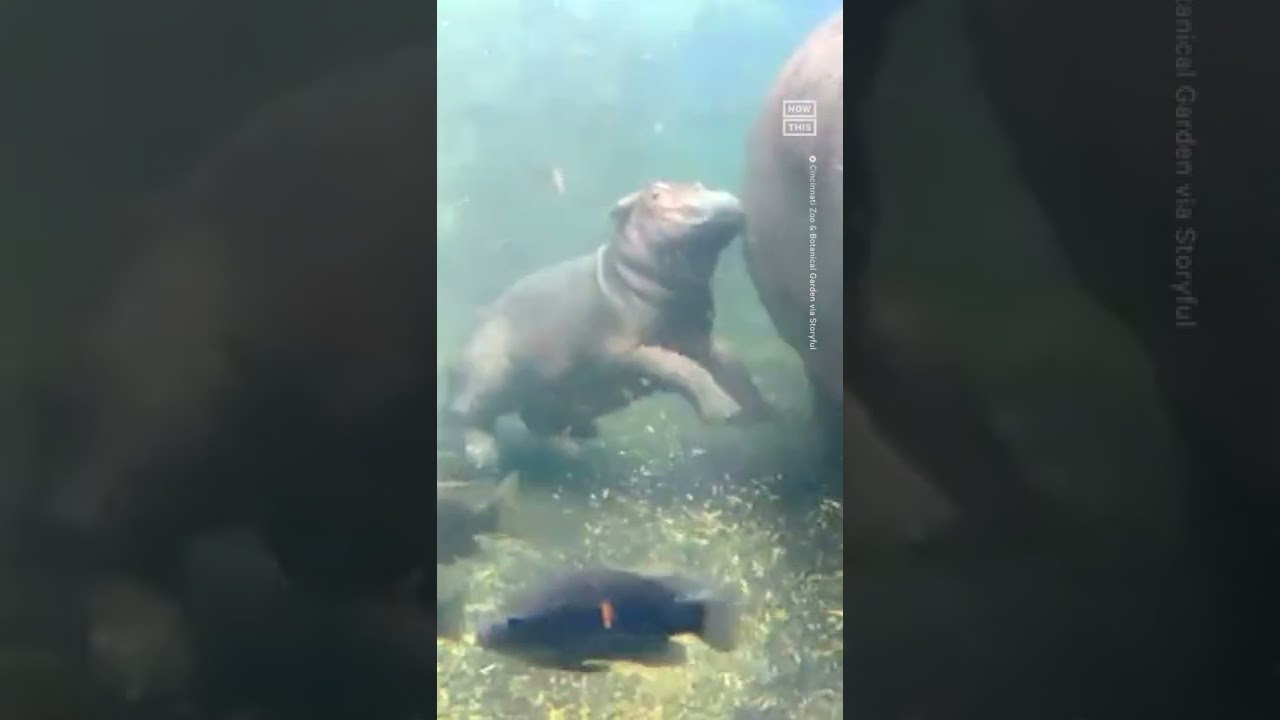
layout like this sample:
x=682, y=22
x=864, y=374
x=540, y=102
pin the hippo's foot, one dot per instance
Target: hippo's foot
x=481, y=448
x=718, y=407
x=732, y=375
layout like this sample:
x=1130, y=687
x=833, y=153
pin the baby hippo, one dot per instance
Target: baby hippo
x=580, y=339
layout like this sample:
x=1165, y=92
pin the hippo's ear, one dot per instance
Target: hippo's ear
x=622, y=210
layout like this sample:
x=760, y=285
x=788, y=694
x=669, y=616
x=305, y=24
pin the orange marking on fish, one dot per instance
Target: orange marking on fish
x=607, y=614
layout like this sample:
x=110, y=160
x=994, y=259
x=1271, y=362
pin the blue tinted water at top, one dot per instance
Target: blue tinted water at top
x=712, y=80
x=722, y=63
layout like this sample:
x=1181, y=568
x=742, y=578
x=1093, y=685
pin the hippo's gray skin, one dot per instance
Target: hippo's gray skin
x=572, y=342
x=912, y=393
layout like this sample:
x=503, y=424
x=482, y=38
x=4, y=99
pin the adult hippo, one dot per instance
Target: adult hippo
x=572, y=342
x=796, y=246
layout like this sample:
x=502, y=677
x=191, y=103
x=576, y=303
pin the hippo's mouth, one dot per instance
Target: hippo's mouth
x=719, y=207
x=702, y=249
x=697, y=262
x=721, y=218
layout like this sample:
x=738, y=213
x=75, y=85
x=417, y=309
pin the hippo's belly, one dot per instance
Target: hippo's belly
x=574, y=402
x=794, y=194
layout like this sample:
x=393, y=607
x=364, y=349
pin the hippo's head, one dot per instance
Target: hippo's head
x=676, y=231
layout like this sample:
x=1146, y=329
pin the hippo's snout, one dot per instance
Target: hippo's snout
x=721, y=208
x=668, y=211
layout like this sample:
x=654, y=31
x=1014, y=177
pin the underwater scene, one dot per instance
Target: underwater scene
x=613, y=97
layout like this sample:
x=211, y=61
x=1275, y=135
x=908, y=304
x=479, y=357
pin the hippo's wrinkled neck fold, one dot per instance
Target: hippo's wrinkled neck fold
x=627, y=276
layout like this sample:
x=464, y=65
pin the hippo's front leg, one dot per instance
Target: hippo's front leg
x=732, y=375
x=685, y=376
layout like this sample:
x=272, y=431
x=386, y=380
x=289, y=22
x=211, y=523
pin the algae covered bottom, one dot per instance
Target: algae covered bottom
x=677, y=498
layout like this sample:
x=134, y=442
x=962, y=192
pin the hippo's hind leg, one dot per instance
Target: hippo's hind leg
x=732, y=375
x=559, y=430
x=569, y=442
x=469, y=415
x=481, y=446
x=477, y=383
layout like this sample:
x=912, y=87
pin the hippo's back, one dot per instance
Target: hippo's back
x=794, y=194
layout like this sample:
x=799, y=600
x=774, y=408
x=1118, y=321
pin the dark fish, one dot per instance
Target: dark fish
x=467, y=510
x=589, y=617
